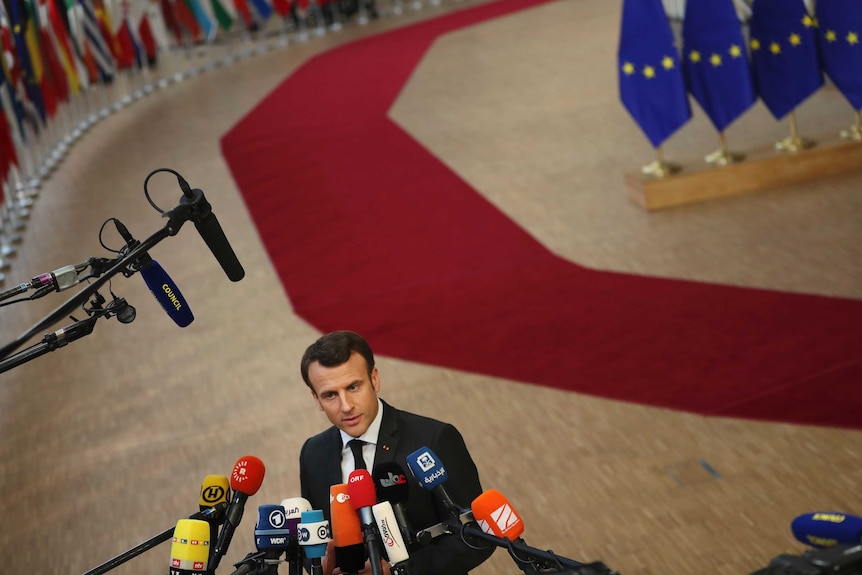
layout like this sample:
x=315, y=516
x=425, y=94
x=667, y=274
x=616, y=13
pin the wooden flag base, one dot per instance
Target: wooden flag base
x=763, y=170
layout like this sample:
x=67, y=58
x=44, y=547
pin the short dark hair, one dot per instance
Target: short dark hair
x=335, y=348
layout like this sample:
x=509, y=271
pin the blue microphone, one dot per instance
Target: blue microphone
x=827, y=529
x=157, y=279
x=271, y=535
x=314, y=533
x=430, y=474
x=166, y=292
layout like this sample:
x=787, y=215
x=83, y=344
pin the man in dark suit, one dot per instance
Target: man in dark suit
x=339, y=369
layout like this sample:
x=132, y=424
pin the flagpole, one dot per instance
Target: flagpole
x=723, y=156
x=855, y=131
x=659, y=168
x=793, y=143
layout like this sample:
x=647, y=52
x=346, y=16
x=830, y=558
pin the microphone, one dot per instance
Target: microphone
x=430, y=474
x=190, y=547
x=827, y=529
x=496, y=516
x=313, y=534
x=346, y=531
x=360, y=488
x=390, y=536
x=211, y=232
x=215, y=493
x=245, y=480
x=294, y=507
x=391, y=484
x=157, y=279
x=271, y=536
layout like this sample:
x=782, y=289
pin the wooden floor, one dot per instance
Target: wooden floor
x=105, y=442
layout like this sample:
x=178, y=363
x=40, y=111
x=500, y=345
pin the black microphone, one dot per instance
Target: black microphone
x=390, y=482
x=211, y=232
x=157, y=279
x=245, y=480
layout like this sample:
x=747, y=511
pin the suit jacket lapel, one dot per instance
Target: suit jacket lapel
x=332, y=459
x=387, y=438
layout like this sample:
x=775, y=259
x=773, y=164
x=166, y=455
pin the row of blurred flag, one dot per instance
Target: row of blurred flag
x=782, y=62
x=53, y=49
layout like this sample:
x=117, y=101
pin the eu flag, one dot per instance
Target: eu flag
x=784, y=54
x=840, y=30
x=651, y=84
x=715, y=61
x=19, y=19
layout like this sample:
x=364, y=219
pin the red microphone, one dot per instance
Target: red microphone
x=363, y=495
x=245, y=480
x=496, y=516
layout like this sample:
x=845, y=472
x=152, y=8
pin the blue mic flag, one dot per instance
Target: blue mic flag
x=651, y=83
x=784, y=54
x=715, y=61
x=840, y=27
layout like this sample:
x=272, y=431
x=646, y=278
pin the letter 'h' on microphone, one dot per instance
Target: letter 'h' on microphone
x=190, y=549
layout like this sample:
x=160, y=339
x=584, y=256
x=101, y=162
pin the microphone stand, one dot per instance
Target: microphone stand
x=530, y=560
x=191, y=207
x=209, y=514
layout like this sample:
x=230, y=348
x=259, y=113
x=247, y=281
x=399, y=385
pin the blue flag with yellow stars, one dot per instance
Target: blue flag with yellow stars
x=651, y=84
x=715, y=61
x=840, y=28
x=784, y=54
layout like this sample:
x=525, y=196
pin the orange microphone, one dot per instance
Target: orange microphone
x=346, y=531
x=496, y=516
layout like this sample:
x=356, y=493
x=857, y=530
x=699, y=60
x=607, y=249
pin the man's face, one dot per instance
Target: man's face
x=346, y=394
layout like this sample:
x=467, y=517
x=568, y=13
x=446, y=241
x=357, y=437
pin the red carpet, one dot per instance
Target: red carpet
x=368, y=231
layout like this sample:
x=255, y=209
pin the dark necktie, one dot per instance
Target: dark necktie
x=356, y=447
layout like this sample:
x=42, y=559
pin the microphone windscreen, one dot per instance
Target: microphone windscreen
x=270, y=531
x=346, y=529
x=827, y=529
x=215, y=489
x=167, y=293
x=426, y=468
x=294, y=507
x=313, y=533
x=496, y=516
x=190, y=547
x=390, y=482
x=247, y=475
x=360, y=488
x=390, y=533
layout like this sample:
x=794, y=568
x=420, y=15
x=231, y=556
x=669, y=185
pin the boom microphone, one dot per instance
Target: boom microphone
x=496, y=516
x=360, y=488
x=827, y=529
x=391, y=484
x=431, y=475
x=211, y=232
x=157, y=279
x=190, y=548
x=346, y=531
x=245, y=480
x=313, y=534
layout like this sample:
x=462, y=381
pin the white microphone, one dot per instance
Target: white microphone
x=390, y=536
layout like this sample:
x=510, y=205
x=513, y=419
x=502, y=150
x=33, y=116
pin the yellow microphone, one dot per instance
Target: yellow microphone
x=190, y=547
x=215, y=489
